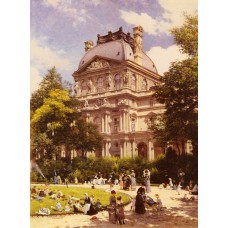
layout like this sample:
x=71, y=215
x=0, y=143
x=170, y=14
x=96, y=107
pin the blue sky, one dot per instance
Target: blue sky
x=59, y=28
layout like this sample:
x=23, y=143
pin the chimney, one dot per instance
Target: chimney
x=88, y=45
x=138, y=31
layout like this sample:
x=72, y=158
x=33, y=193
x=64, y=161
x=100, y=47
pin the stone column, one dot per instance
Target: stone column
x=107, y=149
x=106, y=129
x=150, y=151
x=102, y=123
x=103, y=149
x=121, y=150
x=135, y=151
x=108, y=122
x=124, y=122
x=120, y=121
x=128, y=149
x=127, y=121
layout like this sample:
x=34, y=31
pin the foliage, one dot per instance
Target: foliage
x=187, y=35
x=179, y=92
x=51, y=81
x=56, y=121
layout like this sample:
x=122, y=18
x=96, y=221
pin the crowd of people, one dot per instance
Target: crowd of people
x=126, y=181
x=72, y=204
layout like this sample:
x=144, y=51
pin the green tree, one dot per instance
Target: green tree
x=51, y=81
x=58, y=122
x=88, y=138
x=179, y=92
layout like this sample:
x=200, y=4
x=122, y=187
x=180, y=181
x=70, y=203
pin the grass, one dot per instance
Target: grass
x=74, y=192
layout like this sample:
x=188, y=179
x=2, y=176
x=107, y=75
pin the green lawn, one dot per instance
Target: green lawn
x=74, y=192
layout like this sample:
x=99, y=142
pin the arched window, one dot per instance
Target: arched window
x=133, y=82
x=144, y=84
x=97, y=121
x=100, y=85
x=117, y=81
x=84, y=88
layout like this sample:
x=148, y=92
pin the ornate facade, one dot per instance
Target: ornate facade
x=113, y=82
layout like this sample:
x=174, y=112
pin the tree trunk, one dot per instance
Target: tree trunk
x=178, y=148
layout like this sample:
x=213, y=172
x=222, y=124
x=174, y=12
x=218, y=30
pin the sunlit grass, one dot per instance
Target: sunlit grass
x=77, y=192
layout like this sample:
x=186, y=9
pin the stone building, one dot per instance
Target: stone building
x=114, y=81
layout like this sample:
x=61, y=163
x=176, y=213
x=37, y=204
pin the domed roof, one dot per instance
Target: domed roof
x=117, y=50
x=117, y=46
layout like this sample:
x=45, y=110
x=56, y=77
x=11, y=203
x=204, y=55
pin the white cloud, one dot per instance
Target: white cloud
x=44, y=57
x=35, y=79
x=174, y=9
x=67, y=8
x=149, y=24
x=172, y=16
x=163, y=57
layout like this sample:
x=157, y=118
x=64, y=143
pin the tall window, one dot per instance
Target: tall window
x=117, y=82
x=84, y=88
x=116, y=124
x=144, y=84
x=133, y=82
x=97, y=121
x=100, y=85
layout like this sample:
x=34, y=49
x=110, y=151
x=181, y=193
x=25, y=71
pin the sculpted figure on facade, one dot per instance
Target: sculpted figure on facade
x=123, y=101
x=90, y=85
x=97, y=64
x=108, y=81
x=126, y=77
x=86, y=104
x=76, y=87
x=105, y=102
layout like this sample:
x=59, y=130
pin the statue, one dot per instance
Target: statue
x=89, y=85
x=76, y=87
x=108, y=81
x=105, y=102
x=126, y=78
x=86, y=105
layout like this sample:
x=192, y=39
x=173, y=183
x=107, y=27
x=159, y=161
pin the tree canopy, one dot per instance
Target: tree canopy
x=179, y=91
x=56, y=120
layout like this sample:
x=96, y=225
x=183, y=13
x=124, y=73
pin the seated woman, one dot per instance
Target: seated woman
x=77, y=206
x=67, y=208
x=59, y=194
x=149, y=200
x=139, y=204
x=92, y=210
x=87, y=203
x=58, y=206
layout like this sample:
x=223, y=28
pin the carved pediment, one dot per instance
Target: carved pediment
x=98, y=64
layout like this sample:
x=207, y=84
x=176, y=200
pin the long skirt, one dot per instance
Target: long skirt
x=86, y=208
x=148, y=189
x=133, y=183
x=112, y=215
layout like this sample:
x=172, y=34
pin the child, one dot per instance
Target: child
x=120, y=210
x=159, y=202
x=179, y=188
x=161, y=186
x=170, y=183
x=133, y=204
x=58, y=206
x=98, y=205
x=67, y=208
